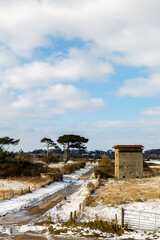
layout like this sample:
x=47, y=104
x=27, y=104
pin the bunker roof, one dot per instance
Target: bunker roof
x=128, y=146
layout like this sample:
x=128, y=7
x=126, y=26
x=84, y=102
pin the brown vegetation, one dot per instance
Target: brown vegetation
x=105, y=168
x=71, y=167
x=121, y=192
x=150, y=170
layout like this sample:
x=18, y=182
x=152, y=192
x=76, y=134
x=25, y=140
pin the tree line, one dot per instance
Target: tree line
x=68, y=141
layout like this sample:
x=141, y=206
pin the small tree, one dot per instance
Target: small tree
x=71, y=141
x=49, y=143
x=6, y=141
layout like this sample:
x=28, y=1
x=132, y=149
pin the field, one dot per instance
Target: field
x=127, y=191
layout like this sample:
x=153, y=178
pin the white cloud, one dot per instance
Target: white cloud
x=87, y=105
x=151, y=111
x=34, y=86
x=115, y=26
x=141, y=87
x=7, y=58
x=103, y=134
x=121, y=124
x=49, y=102
x=78, y=65
x=22, y=102
x=107, y=124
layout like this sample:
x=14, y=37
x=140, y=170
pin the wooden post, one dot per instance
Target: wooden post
x=12, y=193
x=74, y=217
x=29, y=189
x=116, y=222
x=122, y=217
x=21, y=191
x=70, y=217
x=3, y=195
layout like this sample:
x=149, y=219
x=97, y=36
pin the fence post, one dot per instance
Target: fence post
x=29, y=189
x=70, y=217
x=116, y=222
x=122, y=217
x=3, y=195
x=74, y=217
x=22, y=191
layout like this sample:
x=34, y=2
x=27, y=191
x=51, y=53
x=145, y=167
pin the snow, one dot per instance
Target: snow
x=30, y=228
x=61, y=164
x=103, y=212
x=78, y=173
x=15, y=204
x=15, y=185
x=27, y=200
x=72, y=203
x=153, y=161
x=56, y=165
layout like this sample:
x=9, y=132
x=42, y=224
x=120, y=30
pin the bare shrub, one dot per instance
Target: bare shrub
x=71, y=167
x=105, y=168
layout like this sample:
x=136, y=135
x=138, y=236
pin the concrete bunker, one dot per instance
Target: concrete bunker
x=128, y=161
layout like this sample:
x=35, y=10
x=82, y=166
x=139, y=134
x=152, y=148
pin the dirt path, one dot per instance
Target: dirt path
x=33, y=214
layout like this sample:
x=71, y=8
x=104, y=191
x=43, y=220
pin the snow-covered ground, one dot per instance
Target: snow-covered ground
x=103, y=212
x=63, y=209
x=61, y=164
x=153, y=161
x=15, y=185
x=56, y=165
x=72, y=203
x=29, y=199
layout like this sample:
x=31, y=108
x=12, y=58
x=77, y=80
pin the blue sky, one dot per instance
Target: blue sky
x=89, y=67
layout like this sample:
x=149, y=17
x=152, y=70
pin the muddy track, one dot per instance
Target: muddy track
x=34, y=213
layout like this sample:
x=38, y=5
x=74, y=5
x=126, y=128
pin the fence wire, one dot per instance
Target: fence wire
x=142, y=220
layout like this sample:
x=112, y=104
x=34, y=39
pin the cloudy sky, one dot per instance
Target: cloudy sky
x=89, y=67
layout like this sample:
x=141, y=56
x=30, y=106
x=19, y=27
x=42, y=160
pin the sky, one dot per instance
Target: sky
x=89, y=67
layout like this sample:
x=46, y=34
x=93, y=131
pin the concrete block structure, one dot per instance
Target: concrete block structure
x=128, y=161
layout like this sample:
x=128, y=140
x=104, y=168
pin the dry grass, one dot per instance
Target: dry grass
x=120, y=192
x=29, y=184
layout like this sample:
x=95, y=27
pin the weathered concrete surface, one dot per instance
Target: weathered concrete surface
x=128, y=163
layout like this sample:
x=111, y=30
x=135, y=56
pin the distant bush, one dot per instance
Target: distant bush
x=54, y=170
x=56, y=173
x=71, y=167
x=51, y=159
x=84, y=160
x=19, y=166
x=105, y=168
x=26, y=168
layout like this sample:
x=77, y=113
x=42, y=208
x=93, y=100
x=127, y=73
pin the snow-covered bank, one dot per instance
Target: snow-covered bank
x=29, y=199
x=63, y=209
x=13, y=184
x=104, y=212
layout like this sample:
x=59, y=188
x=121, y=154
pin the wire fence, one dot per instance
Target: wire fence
x=141, y=220
x=10, y=193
